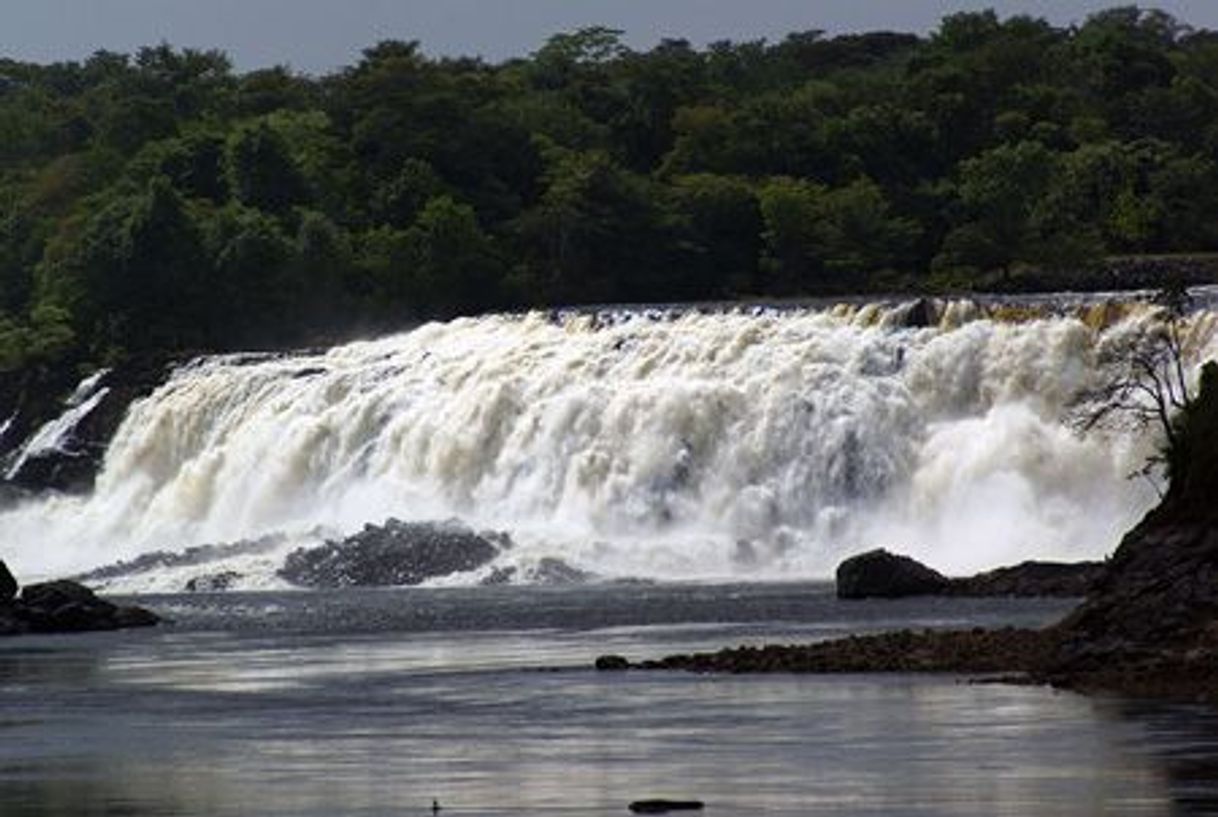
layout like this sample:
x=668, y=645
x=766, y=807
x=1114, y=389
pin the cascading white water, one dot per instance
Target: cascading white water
x=762, y=444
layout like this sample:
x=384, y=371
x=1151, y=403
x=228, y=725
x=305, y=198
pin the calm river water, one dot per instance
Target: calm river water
x=376, y=703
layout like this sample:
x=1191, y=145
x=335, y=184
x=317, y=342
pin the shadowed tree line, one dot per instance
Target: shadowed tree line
x=162, y=201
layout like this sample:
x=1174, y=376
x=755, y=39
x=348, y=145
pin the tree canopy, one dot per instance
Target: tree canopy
x=162, y=200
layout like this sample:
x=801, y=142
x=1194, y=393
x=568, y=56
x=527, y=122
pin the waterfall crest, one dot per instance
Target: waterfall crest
x=686, y=444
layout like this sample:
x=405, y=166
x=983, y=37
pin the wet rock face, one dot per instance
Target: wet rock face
x=880, y=574
x=396, y=553
x=69, y=462
x=65, y=607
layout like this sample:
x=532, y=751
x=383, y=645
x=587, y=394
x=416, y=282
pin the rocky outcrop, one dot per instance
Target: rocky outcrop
x=53, y=442
x=396, y=553
x=1006, y=651
x=880, y=574
x=1150, y=624
x=66, y=607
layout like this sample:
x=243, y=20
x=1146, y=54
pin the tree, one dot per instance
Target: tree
x=1145, y=383
x=261, y=170
x=133, y=274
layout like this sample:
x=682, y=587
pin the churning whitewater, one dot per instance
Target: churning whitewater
x=752, y=443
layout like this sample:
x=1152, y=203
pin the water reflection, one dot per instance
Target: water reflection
x=317, y=723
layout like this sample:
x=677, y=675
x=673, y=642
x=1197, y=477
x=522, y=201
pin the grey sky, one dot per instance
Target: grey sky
x=317, y=36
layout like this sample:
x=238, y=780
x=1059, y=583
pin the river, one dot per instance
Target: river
x=379, y=702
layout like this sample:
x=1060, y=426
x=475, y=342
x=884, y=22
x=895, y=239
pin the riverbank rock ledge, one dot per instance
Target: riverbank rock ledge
x=64, y=607
x=880, y=574
x=396, y=553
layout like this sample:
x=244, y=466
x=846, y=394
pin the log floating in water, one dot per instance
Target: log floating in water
x=664, y=806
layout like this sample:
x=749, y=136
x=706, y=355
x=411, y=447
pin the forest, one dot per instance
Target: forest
x=164, y=201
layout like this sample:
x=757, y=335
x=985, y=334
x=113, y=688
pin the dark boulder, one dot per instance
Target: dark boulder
x=396, y=553
x=8, y=585
x=880, y=574
x=612, y=663
x=56, y=594
x=68, y=607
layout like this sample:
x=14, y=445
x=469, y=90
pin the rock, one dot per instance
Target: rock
x=11, y=623
x=212, y=582
x=72, y=432
x=499, y=577
x=67, y=607
x=612, y=663
x=8, y=585
x=547, y=571
x=396, y=553
x=50, y=595
x=1149, y=627
x=918, y=314
x=132, y=616
x=192, y=556
x=880, y=574
x=1007, y=650
x=664, y=806
x=1032, y=579
x=552, y=571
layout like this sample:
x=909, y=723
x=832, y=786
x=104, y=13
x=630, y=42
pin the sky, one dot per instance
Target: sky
x=318, y=36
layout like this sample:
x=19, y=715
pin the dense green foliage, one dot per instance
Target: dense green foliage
x=164, y=201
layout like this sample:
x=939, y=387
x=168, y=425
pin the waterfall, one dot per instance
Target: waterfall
x=677, y=444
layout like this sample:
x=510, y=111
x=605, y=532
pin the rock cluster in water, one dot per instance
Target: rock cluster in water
x=880, y=574
x=396, y=553
x=62, y=607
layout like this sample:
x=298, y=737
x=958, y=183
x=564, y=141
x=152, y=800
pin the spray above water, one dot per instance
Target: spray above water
x=755, y=443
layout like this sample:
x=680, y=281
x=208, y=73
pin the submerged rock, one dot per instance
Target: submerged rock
x=396, y=553
x=548, y=571
x=212, y=582
x=880, y=574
